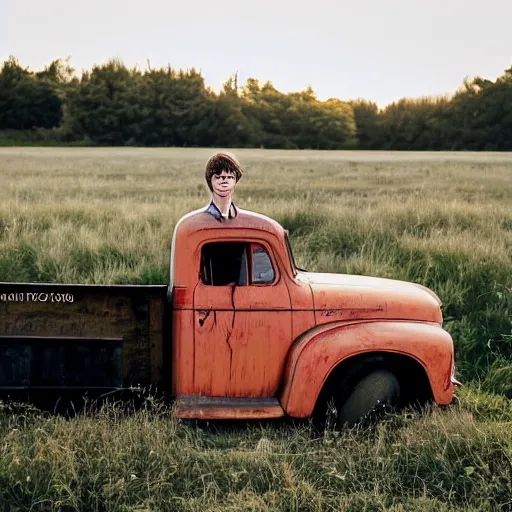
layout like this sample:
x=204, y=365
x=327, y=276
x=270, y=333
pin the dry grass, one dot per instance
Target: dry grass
x=58, y=199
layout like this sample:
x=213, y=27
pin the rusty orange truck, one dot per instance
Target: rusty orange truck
x=239, y=332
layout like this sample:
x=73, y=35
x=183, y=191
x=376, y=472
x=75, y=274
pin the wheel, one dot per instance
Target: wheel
x=376, y=391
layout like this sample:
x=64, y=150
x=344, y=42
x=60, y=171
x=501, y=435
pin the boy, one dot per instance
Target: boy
x=222, y=173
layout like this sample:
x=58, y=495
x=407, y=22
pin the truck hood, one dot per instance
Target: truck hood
x=350, y=297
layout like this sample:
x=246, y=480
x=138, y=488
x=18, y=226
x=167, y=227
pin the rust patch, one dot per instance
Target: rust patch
x=351, y=311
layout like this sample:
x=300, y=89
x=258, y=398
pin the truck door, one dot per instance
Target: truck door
x=242, y=315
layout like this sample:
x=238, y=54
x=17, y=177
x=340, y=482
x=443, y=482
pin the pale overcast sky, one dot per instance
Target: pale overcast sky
x=380, y=50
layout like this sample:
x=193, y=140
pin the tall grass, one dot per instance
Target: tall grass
x=443, y=220
x=107, y=216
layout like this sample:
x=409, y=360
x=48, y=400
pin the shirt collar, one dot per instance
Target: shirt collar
x=213, y=209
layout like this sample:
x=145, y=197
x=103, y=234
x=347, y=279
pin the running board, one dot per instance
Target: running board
x=219, y=408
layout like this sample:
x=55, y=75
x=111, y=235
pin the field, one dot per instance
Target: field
x=106, y=216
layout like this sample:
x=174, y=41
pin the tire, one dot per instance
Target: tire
x=376, y=391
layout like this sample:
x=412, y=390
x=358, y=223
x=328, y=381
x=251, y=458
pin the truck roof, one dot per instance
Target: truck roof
x=199, y=220
x=193, y=227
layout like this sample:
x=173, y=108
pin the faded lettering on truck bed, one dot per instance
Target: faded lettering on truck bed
x=37, y=297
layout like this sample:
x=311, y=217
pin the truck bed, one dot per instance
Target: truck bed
x=82, y=337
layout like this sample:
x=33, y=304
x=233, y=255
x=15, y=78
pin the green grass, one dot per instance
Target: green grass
x=458, y=459
x=106, y=216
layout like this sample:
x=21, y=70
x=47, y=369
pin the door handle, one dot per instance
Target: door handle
x=203, y=315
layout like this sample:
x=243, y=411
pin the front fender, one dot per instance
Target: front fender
x=319, y=351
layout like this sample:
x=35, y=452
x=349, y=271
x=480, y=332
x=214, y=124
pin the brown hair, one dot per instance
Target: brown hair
x=219, y=162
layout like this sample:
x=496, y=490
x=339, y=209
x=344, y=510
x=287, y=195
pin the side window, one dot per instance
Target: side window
x=240, y=263
x=262, y=270
x=224, y=263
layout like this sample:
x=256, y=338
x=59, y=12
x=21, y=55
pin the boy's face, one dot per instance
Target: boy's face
x=224, y=183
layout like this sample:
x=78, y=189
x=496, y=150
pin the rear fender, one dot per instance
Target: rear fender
x=315, y=355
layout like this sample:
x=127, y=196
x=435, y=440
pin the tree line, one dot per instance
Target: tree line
x=112, y=104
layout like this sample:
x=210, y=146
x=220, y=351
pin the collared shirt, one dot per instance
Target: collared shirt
x=213, y=209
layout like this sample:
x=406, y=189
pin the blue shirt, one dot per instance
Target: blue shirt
x=212, y=209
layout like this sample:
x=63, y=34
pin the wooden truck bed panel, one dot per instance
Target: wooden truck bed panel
x=74, y=336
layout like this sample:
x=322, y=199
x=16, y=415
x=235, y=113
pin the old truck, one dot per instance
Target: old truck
x=239, y=332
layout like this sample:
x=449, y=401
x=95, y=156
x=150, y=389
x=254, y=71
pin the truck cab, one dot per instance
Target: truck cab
x=254, y=336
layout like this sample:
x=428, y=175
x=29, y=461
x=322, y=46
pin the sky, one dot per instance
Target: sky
x=379, y=50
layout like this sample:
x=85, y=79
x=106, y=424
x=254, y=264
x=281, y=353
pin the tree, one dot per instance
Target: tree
x=106, y=104
x=366, y=115
x=26, y=102
x=232, y=127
